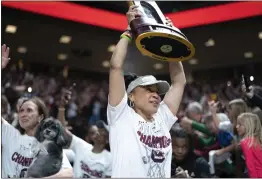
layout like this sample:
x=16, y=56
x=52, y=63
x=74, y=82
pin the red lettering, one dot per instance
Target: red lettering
x=14, y=156
x=154, y=141
x=143, y=138
x=139, y=133
x=161, y=142
x=26, y=161
x=148, y=141
x=18, y=158
x=168, y=142
x=165, y=142
x=30, y=161
x=89, y=171
x=21, y=160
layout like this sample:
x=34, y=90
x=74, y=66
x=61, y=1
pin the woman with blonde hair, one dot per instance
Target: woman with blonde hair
x=235, y=108
x=250, y=130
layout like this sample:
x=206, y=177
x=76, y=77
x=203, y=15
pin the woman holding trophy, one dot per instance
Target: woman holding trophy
x=139, y=121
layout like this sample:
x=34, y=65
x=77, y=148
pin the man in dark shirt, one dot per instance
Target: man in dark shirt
x=184, y=162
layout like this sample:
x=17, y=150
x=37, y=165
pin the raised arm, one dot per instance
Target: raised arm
x=116, y=78
x=178, y=80
x=5, y=55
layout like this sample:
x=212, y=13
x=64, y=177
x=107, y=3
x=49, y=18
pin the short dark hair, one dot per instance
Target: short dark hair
x=178, y=132
x=41, y=107
x=129, y=77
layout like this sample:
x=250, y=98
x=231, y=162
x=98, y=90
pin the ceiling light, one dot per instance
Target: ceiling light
x=106, y=64
x=260, y=35
x=29, y=89
x=158, y=66
x=251, y=78
x=210, y=43
x=11, y=29
x=111, y=48
x=22, y=49
x=248, y=55
x=193, y=61
x=62, y=56
x=64, y=39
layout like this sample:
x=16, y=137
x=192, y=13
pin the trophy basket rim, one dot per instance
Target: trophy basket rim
x=177, y=37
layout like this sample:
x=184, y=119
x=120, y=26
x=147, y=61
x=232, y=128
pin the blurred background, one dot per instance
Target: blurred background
x=56, y=44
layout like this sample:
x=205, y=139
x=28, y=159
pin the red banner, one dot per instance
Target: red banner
x=117, y=21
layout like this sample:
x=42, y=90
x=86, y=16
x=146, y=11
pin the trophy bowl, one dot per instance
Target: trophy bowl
x=154, y=38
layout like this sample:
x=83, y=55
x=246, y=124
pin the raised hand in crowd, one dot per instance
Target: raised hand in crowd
x=5, y=55
x=65, y=98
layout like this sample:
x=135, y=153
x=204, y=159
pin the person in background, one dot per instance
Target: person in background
x=18, y=143
x=91, y=161
x=91, y=133
x=184, y=157
x=226, y=141
x=258, y=112
x=203, y=141
x=235, y=108
x=250, y=130
x=194, y=111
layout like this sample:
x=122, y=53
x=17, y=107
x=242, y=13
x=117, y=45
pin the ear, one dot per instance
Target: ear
x=41, y=117
x=131, y=97
x=39, y=134
x=61, y=137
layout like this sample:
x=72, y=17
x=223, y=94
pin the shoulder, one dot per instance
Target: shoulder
x=107, y=153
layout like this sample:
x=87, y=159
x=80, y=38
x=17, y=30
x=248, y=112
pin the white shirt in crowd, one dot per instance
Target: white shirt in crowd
x=140, y=148
x=18, y=152
x=88, y=164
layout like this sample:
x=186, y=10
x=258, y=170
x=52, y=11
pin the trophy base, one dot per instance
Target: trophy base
x=162, y=42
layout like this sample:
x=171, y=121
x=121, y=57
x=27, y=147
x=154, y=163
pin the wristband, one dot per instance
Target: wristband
x=126, y=36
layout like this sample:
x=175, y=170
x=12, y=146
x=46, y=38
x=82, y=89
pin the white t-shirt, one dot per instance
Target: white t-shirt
x=18, y=152
x=140, y=148
x=70, y=155
x=88, y=164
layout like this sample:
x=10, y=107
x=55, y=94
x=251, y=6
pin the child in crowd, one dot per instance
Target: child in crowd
x=250, y=130
x=184, y=158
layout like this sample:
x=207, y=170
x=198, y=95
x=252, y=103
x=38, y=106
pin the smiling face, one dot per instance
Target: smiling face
x=146, y=99
x=29, y=116
x=102, y=136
